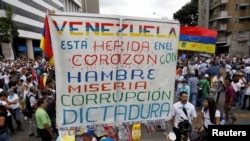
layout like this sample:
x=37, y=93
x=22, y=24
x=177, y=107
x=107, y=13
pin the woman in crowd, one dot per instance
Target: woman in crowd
x=210, y=116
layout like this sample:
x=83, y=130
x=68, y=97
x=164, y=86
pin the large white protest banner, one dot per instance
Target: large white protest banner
x=112, y=69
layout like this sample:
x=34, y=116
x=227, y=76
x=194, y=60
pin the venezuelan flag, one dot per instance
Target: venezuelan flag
x=197, y=39
x=45, y=42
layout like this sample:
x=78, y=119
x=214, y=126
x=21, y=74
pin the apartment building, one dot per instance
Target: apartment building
x=231, y=19
x=29, y=18
x=90, y=6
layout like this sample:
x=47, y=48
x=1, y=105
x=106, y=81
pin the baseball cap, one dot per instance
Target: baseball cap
x=206, y=75
x=240, y=73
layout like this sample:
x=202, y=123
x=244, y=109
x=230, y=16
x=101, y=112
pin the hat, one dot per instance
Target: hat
x=206, y=76
x=240, y=73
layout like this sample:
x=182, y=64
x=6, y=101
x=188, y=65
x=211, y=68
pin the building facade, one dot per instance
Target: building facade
x=29, y=18
x=231, y=19
x=90, y=6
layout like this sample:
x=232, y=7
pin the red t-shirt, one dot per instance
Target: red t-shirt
x=229, y=93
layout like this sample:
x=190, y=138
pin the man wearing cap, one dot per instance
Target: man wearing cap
x=205, y=87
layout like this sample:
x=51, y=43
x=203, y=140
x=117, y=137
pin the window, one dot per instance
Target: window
x=222, y=7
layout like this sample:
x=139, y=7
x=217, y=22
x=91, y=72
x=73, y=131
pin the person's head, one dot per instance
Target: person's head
x=41, y=102
x=85, y=137
x=236, y=78
x=33, y=89
x=11, y=91
x=184, y=81
x=44, y=93
x=206, y=76
x=3, y=95
x=183, y=97
x=240, y=74
x=13, y=85
x=228, y=81
x=220, y=74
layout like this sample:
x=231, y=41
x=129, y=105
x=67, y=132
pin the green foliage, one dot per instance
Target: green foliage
x=188, y=14
x=7, y=27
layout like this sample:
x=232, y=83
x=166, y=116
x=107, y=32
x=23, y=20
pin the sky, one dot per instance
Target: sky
x=142, y=8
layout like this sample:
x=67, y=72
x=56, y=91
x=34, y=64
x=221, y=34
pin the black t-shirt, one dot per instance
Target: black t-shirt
x=3, y=114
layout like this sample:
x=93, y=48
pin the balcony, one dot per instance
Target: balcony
x=242, y=5
x=221, y=27
x=218, y=3
x=244, y=18
x=223, y=15
x=221, y=40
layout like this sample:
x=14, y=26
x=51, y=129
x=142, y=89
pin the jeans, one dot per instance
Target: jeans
x=33, y=125
x=9, y=121
x=245, y=101
x=16, y=116
x=4, y=136
x=228, y=112
x=240, y=97
x=193, y=98
x=45, y=136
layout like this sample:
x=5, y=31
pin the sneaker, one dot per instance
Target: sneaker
x=32, y=134
x=25, y=118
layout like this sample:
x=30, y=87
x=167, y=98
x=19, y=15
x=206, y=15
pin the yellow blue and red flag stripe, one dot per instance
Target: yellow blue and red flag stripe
x=197, y=39
x=45, y=42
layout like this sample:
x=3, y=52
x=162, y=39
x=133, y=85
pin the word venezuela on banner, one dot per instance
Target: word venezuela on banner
x=194, y=38
x=113, y=70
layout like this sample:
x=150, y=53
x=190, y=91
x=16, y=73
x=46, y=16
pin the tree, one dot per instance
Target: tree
x=8, y=30
x=188, y=14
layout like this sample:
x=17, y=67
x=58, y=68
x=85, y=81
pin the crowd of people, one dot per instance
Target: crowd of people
x=28, y=87
x=199, y=83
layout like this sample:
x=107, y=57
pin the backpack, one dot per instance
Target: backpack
x=28, y=106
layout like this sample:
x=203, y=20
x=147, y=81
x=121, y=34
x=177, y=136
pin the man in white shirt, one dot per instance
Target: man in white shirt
x=13, y=101
x=183, y=110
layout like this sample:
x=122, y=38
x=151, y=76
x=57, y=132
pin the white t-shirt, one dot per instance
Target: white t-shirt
x=6, y=79
x=179, y=115
x=247, y=91
x=236, y=86
x=12, y=98
x=4, y=103
x=207, y=117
